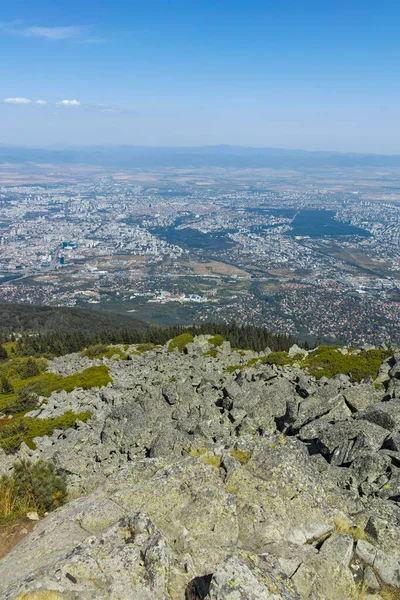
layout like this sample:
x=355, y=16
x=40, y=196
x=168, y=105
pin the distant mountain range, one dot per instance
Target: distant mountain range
x=202, y=156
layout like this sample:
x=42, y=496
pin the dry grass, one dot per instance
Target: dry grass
x=197, y=451
x=356, y=531
x=243, y=456
x=213, y=461
x=11, y=504
x=389, y=592
x=362, y=590
x=30, y=487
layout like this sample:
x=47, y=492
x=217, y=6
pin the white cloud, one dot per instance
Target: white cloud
x=76, y=33
x=17, y=101
x=41, y=102
x=54, y=33
x=68, y=103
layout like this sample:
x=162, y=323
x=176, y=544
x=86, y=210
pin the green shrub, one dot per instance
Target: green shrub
x=217, y=340
x=180, y=342
x=35, y=487
x=16, y=368
x=279, y=358
x=46, y=383
x=6, y=386
x=212, y=353
x=12, y=435
x=91, y=377
x=250, y=363
x=95, y=351
x=25, y=429
x=26, y=400
x=328, y=361
x=31, y=369
x=103, y=351
x=145, y=347
x=254, y=361
x=233, y=368
x=3, y=353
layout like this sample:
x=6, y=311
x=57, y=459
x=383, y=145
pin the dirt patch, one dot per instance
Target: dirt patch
x=12, y=533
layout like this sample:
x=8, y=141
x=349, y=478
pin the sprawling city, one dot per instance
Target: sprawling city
x=313, y=254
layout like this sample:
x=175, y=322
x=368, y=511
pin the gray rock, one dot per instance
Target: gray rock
x=129, y=559
x=360, y=397
x=385, y=414
x=295, y=349
x=244, y=576
x=343, y=442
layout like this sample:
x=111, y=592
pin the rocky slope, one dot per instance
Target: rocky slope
x=191, y=481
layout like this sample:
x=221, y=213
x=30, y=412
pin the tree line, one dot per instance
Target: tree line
x=58, y=343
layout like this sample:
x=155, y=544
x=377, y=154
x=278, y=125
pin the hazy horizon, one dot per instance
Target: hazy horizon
x=312, y=76
x=284, y=149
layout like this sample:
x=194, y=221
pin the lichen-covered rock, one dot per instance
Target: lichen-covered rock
x=220, y=477
x=250, y=577
x=129, y=559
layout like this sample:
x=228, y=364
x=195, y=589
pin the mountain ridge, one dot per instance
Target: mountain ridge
x=194, y=156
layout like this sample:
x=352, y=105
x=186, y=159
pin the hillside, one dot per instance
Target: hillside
x=25, y=317
x=205, y=472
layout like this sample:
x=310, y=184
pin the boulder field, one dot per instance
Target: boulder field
x=193, y=481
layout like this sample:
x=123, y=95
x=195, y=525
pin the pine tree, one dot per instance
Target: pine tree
x=30, y=369
x=6, y=386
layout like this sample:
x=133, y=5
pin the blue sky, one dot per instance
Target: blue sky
x=290, y=73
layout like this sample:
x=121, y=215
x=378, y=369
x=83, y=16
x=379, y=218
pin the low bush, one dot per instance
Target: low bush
x=95, y=351
x=328, y=361
x=103, y=351
x=180, y=342
x=6, y=386
x=31, y=487
x=17, y=368
x=145, y=347
x=233, y=368
x=46, y=383
x=31, y=369
x=279, y=358
x=250, y=363
x=25, y=429
x=25, y=401
x=217, y=340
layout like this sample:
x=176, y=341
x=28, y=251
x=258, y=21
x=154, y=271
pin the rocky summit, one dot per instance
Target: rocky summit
x=211, y=474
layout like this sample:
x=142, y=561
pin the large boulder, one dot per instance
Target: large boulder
x=344, y=441
x=129, y=559
x=254, y=578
